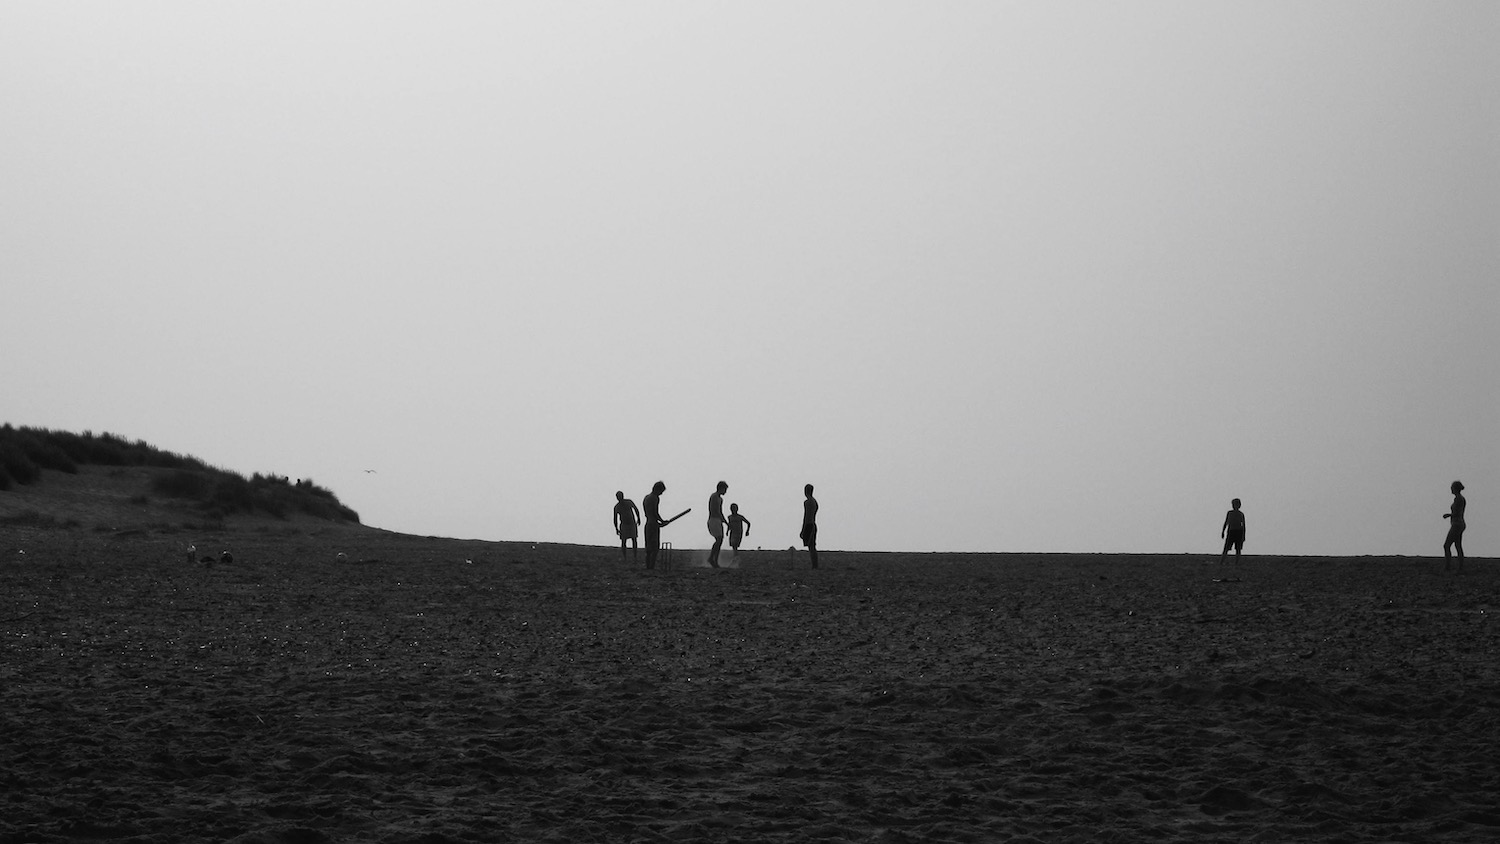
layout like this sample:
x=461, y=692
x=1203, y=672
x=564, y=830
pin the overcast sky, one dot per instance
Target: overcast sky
x=993, y=276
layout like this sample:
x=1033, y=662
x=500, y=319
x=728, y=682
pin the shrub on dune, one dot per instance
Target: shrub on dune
x=25, y=452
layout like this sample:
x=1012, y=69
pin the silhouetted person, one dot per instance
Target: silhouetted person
x=626, y=519
x=653, y=522
x=809, y=532
x=716, y=522
x=739, y=527
x=1233, y=531
x=1455, y=540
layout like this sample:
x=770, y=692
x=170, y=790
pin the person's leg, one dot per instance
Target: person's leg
x=716, y=530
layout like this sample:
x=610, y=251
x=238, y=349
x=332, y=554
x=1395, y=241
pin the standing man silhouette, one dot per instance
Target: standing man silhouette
x=653, y=522
x=1233, y=532
x=1456, y=527
x=810, y=524
x=716, y=522
x=627, y=517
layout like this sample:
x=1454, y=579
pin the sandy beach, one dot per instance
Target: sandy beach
x=434, y=690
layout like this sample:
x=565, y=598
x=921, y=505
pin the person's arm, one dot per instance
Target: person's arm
x=1225, y=526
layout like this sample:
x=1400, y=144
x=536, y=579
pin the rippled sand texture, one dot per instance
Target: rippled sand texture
x=434, y=690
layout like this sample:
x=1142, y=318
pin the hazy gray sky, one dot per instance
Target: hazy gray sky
x=993, y=276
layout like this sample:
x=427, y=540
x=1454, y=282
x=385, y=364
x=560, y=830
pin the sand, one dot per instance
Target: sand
x=429, y=690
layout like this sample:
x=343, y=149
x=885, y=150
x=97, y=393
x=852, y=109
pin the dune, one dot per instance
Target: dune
x=434, y=690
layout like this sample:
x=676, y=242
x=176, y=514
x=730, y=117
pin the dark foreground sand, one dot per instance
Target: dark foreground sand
x=432, y=690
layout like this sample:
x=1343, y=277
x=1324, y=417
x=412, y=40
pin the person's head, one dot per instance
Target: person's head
x=723, y=487
x=619, y=495
x=807, y=490
x=1235, y=504
x=1457, y=487
x=734, y=508
x=658, y=487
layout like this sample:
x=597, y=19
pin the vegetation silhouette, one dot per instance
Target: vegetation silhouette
x=25, y=452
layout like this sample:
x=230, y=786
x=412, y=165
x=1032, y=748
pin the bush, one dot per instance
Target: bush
x=49, y=456
x=183, y=483
x=17, y=464
x=24, y=452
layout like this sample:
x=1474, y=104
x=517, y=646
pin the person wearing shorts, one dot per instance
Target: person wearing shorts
x=739, y=527
x=716, y=522
x=1456, y=525
x=653, y=523
x=627, y=517
x=809, y=532
x=1233, y=531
